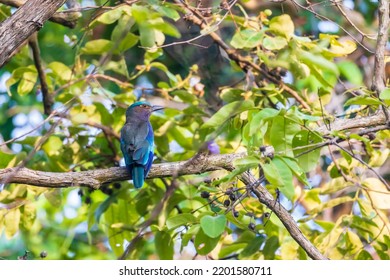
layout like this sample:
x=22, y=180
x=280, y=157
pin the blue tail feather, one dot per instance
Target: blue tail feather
x=138, y=176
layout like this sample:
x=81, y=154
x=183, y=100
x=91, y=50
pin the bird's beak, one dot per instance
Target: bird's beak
x=156, y=108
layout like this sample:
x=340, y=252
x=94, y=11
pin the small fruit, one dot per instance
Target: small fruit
x=205, y=194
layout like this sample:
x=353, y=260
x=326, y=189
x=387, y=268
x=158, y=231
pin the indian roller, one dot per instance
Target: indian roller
x=137, y=141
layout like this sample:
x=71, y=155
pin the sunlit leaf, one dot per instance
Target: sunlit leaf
x=11, y=222
x=247, y=38
x=282, y=25
x=274, y=43
x=378, y=193
x=98, y=46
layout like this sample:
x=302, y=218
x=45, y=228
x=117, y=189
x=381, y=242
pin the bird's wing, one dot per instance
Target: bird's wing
x=134, y=143
x=141, y=154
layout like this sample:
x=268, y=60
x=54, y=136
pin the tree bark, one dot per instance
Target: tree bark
x=28, y=19
x=64, y=18
x=96, y=178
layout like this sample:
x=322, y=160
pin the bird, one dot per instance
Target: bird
x=137, y=141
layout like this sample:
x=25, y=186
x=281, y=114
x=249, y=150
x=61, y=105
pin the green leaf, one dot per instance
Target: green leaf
x=284, y=173
x=98, y=46
x=213, y=226
x=5, y=159
x=271, y=173
x=167, y=11
x=274, y=43
x=282, y=25
x=362, y=100
x=111, y=16
x=61, y=71
x=292, y=163
x=247, y=38
x=164, y=245
x=52, y=145
x=385, y=95
x=305, y=149
x=204, y=244
x=180, y=220
x=351, y=72
x=129, y=41
x=104, y=206
x=264, y=114
x=253, y=246
x=165, y=27
x=318, y=60
x=26, y=76
x=232, y=94
x=364, y=255
x=226, y=112
x=246, y=162
x=282, y=133
x=147, y=36
x=270, y=247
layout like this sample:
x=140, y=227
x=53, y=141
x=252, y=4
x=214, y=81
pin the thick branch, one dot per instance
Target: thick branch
x=96, y=178
x=378, y=79
x=375, y=120
x=66, y=19
x=28, y=19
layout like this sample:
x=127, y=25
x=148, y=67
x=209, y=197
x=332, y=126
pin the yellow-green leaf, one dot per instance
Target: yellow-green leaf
x=61, y=70
x=98, y=46
x=378, y=193
x=29, y=215
x=282, y=25
x=11, y=222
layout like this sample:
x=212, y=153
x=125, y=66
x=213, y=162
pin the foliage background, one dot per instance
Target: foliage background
x=120, y=52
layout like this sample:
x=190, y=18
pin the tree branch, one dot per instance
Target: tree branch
x=285, y=217
x=96, y=178
x=378, y=79
x=375, y=120
x=48, y=100
x=64, y=18
x=379, y=75
x=28, y=19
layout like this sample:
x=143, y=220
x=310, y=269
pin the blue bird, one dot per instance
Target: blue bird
x=137, y=141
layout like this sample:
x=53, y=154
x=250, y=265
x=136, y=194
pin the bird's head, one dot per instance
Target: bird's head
x=141, y=110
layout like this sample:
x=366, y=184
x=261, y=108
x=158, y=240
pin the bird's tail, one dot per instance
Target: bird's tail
x=138, y=176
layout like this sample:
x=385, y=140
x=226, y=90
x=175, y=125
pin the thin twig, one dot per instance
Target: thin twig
x=365, y=164
x=322, y=17
x=243, y=62
x=46, y=95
